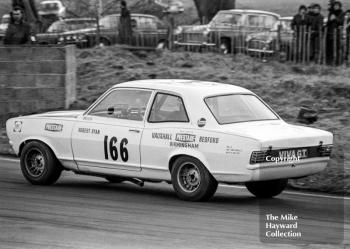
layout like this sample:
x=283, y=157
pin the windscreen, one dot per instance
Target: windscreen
x=237, y=108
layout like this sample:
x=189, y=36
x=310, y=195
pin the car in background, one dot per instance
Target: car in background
x=280, y=38
x=3, y=25
x=148, y=31
x=58, y=28
x=228, y=30
x=191, y=134
x=50, y=8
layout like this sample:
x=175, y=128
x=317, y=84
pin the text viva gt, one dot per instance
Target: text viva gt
x=192, y=134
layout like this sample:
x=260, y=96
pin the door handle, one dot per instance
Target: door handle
x=134, y=131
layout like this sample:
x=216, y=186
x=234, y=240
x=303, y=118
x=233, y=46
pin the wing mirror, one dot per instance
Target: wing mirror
x=110, y=110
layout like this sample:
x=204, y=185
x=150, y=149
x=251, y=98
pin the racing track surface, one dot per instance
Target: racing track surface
x=86, y=212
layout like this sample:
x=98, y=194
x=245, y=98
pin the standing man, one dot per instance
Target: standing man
x=125, y=28
x=299, y=26
x=316, y=25
x=18, y=31
x=335, y=20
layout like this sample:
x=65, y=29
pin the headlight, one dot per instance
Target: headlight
x=178, y=31
x=74, y=37
x=68, y=37
x=61, y=39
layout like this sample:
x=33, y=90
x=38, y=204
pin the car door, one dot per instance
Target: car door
x=108, y=136
x=167, y=128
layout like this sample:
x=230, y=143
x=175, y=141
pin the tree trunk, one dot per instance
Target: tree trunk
x=207, y=9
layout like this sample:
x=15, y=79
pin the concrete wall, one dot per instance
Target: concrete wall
x=36, y=79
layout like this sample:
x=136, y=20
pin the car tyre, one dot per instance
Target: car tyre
x=267, y=189
x=191, y=180
x=225, y=46
x=115, y=179
x=39, y=165
x=162, y=45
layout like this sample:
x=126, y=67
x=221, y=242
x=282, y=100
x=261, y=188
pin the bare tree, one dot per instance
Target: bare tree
x=207, y=9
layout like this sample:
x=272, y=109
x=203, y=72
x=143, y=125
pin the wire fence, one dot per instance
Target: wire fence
x=324, y=46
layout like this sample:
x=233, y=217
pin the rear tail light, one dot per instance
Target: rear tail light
x=325, y=150
x=258, y=157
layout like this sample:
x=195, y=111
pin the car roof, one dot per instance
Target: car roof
x=132, y=14
x=286, y=18
x=249, y=11
x=185, y=87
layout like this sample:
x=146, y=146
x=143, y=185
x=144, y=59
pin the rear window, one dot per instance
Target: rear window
x=238, y=108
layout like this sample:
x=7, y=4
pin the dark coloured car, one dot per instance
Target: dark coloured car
x=148, y=31
x=228, y=29
x=269, y=42
x=58, y=28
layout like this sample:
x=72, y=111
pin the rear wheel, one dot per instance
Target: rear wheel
x=267, y=189
x=39, y=165
x=191, y=180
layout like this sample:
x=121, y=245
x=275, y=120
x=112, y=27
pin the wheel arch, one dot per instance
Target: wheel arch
x=36, y=139
x=197, y=155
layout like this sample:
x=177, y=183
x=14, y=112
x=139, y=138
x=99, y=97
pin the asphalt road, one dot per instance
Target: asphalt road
x=86, y=212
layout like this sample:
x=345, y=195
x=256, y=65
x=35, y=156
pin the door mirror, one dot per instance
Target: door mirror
x=110, y=110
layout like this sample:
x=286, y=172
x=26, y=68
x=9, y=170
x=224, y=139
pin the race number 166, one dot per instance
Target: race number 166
x=111, y=149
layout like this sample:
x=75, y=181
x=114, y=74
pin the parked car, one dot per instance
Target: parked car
x=148, y=31
x=191, y=134
x=266, y=43
x=52, y=8
x=59, y=28
x=227, y=30
x=3, y=25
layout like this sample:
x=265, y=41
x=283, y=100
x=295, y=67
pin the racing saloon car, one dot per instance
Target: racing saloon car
x=191, y=134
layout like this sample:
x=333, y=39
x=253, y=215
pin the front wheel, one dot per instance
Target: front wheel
x=267, y=189
x=39, y=165
x=191, y=180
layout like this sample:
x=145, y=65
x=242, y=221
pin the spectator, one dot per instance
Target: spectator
x=315, y=22
x=335, y=21
x=299, y=19
x=18, y=31
x=346, y=19
x=299, y=26
x=125, y=28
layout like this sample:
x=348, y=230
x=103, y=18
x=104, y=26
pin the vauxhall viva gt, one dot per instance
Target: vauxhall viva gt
x=191, y=134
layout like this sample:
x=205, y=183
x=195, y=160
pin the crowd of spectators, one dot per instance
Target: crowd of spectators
x=311, y=29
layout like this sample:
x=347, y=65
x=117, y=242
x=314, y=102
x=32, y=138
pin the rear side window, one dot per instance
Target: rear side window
x=168, y=108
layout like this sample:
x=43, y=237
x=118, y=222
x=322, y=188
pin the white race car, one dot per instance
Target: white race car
x=192, y=134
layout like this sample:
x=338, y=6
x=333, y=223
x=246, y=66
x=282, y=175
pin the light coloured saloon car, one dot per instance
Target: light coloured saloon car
x=191, y=134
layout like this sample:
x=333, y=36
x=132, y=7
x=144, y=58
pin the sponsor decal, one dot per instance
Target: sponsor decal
x=185, y=138
x=184, y=145
x=201, y=122
x=17, y=126
x=209, y=140
x=162, y=136
x=232, y=151
x=53, y=127
x=89, y=131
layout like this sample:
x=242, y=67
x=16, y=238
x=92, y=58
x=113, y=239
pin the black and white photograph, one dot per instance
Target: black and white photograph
x=174, y=124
